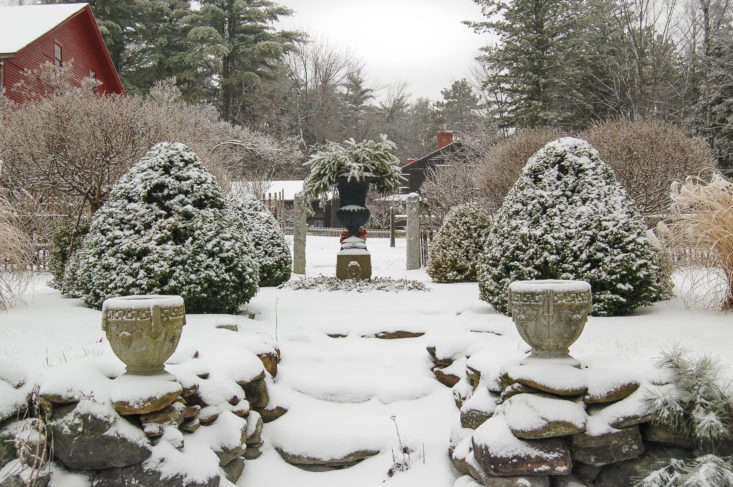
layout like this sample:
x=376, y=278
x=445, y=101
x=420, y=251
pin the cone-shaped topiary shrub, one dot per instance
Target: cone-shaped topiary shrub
x=568, y=218
x=167, y=228
x=270, y=249
x=455, y=251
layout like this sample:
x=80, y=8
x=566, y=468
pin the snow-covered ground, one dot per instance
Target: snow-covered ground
x=353, y=392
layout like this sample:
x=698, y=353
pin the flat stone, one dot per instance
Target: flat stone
x=514, y=389
x=440, y=361
x=191, y=425
x=534, y=416
x=663, y=435
x=523, y=481
x=234, y=469
x=474, y=376
x=136, y=475
x=147, y=405
x=228, y=326
x=241, y=409
x=586, y=473
x=568, y=481
x=445, y=378
x=209, y=414
x=191, y=412
x=631, y=411
x=314, y=464
x=153, y=430
x=270, y=360
x=256, y=391
x=229, y=454
x=254, y=429
x=337, y=335
x=92, y=437
x=271, y=413
x=61, y=399
x=499, y=453
x=560, y=380
x=172, y=415
x=605, y=389
x=473, y=418
x=628, y=472
x=607, y=448
x=252, y=452
x=190, y=391
x=398, y=334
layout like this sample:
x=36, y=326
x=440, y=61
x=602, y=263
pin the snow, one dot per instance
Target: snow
x=542, y=285
x=142, y=302
x=342, y=393
x=527, y=412
x=19, y=26
x=494, y=434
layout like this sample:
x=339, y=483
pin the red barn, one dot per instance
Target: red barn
x=57, y=33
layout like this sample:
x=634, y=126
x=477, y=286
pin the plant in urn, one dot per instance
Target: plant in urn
x=550, y=315
x=351, y=168
x=143, y=331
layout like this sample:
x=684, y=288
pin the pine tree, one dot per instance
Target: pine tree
x=458, y=110
x=567, y=217
x=232, y=47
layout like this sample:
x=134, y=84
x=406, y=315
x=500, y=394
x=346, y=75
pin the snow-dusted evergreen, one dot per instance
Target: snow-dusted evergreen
x=270, y=249
x=567, y=217
x=64, y=242
x=455, y=251
x=167, y=228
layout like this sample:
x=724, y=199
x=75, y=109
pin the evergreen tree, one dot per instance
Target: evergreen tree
x=458, y=110
x=232, y=47
x=567, y=217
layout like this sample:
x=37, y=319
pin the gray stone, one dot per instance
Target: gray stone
x=314, y=464
x=254, y=429
x=234, y=469
x=252, y=452
x=147, y=405
x=412, y=248
x=136, y=475
x=516, y=388
x=565, y=381
x=270, y=360
x=552, y=458
x=271, y=413
x=586, y=473
x=229, y=454
x=614, y=394
x=256, y=391
x=473, y=418
x=398, y=334
x=660, y=434
x=607, y=448
x=537, y=416
x=90, y=439
x=627, y=473
x=299, y=236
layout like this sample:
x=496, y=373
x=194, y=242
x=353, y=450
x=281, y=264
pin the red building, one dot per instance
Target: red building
x=58, y=33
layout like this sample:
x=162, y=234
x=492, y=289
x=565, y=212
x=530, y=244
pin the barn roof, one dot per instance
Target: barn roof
x=19, y=26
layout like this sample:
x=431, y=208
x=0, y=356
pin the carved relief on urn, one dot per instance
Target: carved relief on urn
x=143, y=331
x=550, y=314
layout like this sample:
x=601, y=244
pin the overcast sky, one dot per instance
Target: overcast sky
x=420, y=42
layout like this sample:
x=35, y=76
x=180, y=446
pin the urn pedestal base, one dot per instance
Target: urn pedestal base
x=353, y=264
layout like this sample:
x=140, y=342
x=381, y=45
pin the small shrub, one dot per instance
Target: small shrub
x=455, y=251
x=167, y=228
x=64, y=242
x=16, y=256
x=568, y=218
x=269, y=247
x=703, y=222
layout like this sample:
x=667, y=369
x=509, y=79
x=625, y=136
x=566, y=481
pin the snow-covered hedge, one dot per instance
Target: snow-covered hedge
x=167, y=228
x=455, y=250
x=568, y=218
x=270, y=249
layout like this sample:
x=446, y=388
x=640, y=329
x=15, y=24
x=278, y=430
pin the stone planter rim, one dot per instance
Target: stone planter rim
x=142, y=301
x=542, y=285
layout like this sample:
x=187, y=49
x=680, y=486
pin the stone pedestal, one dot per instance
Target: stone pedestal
x=413, y=232
x=353, y=264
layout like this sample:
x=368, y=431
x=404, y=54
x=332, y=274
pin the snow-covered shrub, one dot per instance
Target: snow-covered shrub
x=270, y=249
x=699, y=407
x=455, y=251
x=65, y=240
x=167, y=228
x=568, y=218
x=69, y=285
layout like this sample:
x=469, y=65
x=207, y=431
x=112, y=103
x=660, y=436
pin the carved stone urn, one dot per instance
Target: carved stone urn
x=143, y=331
x=550, y=315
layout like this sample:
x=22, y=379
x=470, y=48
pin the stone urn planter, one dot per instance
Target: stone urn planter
x=143, y=331
x=353, y=260
x=550, y=315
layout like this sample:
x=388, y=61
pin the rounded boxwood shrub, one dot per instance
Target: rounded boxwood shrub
x=167, y=228
x=568, y=218
x=455, y=251
x=269, y=247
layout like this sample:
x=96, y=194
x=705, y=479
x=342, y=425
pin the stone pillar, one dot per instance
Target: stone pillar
x=301, y=229
x=413, y=231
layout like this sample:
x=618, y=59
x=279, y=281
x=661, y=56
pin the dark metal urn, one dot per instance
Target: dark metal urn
x=352, y=212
